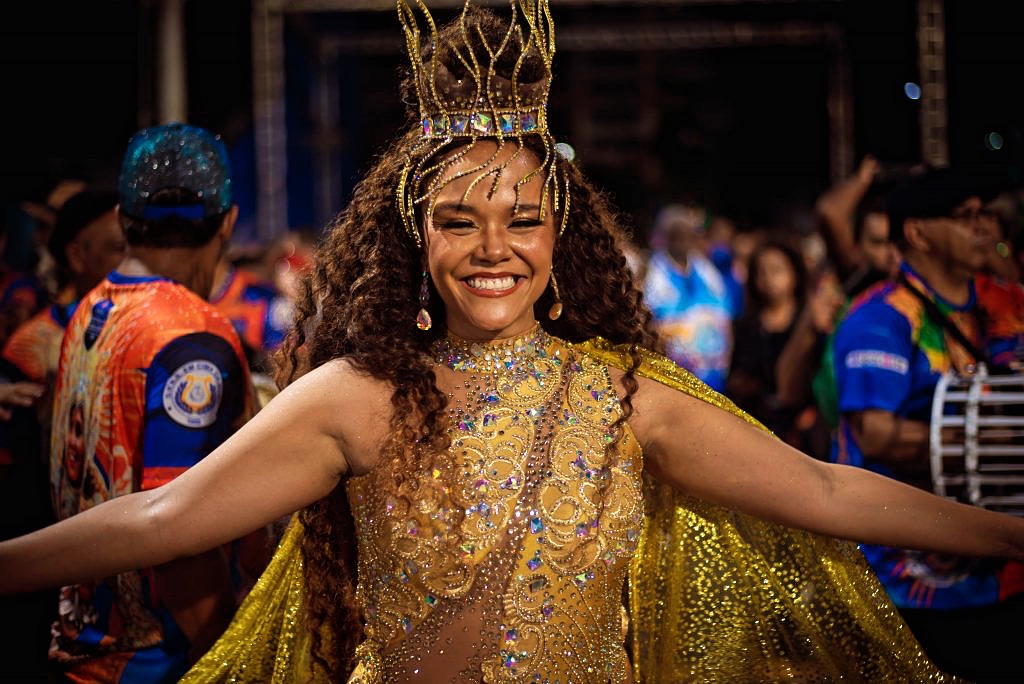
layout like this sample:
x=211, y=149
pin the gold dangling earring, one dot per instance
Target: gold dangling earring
x=423, y=321
x=555, y=312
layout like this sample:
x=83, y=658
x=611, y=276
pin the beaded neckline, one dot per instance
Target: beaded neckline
x=500, y=356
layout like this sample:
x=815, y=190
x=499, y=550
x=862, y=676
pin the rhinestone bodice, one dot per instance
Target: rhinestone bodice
x=520, y=566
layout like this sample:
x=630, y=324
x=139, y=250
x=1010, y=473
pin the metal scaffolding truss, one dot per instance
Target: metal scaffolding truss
x=931, y=50
x=268, y=19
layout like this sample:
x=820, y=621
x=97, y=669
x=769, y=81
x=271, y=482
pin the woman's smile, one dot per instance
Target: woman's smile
x=496, y=285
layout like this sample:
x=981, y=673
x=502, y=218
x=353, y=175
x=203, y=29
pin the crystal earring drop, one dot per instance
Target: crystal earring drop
x=423, y=321
x=555, y=312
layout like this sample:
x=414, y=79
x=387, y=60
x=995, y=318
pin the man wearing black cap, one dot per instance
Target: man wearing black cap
x=890, y=351
x=151, y=380
x=86, y=244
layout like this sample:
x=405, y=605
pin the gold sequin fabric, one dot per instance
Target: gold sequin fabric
x=524, y=583
x=533, y=590
x=265, y=642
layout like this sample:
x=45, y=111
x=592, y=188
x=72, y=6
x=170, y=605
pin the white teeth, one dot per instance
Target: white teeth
x=491, y=283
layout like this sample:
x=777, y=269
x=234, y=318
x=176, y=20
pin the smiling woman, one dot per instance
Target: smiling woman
x=472, y=494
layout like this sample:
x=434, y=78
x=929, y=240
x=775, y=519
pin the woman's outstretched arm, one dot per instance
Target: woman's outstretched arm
x=718, y=457
x=292, y=453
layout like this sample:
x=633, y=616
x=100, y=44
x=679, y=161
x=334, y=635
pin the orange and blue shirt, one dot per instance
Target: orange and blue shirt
x=34, y=348
x=20, y=298
x=260, y=314
x=31, y=353
x=19, y=290
x=888, y=355
x=151, y=379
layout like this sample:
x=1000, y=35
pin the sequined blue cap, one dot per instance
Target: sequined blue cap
x=175, y=155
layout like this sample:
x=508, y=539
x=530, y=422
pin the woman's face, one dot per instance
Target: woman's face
x=489, y=259
x=775, y=277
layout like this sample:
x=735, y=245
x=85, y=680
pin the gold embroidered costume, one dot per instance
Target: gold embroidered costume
x=514, y=570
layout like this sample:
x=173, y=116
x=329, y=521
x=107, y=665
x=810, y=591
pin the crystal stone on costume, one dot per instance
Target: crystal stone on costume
x=482, y=123
x=507, y=122
x=460, y=124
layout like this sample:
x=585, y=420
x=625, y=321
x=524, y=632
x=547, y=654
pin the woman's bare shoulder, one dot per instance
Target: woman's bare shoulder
x=654, y=405
x=349, y=404
x=345, y=371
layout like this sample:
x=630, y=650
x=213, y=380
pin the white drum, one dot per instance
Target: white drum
x=977, y=440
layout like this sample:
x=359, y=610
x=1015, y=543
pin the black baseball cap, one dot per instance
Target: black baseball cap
x=76, y=213
x=935, y=193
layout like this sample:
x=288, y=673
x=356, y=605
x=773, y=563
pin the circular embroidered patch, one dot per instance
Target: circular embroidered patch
x=192, y=394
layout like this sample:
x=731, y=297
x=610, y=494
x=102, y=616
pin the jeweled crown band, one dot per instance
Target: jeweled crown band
x=487, y=123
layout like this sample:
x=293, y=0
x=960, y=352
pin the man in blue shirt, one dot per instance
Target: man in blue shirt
x=889, y=353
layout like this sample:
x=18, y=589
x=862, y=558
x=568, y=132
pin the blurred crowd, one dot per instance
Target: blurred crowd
x=836, y=338
x=75, y=245
x=752, y=312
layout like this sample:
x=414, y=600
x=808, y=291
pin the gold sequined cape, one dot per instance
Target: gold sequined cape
x=714, y=596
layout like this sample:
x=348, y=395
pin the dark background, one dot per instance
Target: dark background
x=744, y=130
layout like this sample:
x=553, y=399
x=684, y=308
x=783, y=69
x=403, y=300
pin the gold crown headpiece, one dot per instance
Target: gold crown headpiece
x=478, y=77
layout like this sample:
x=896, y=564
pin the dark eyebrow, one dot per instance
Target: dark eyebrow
x=528, y=209
x=453, y=206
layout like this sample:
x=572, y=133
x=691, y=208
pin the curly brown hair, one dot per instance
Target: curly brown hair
x=360, y=302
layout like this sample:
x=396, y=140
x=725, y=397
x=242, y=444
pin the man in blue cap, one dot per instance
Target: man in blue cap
x=151, y=379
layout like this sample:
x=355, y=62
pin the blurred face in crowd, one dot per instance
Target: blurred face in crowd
x=96, y=251
x=878, y=250
x=814, y=252
x=722, y=231
x=684, y=232
x=958, y=241
x=680, y=240
x=743, y=246
x=774, y=274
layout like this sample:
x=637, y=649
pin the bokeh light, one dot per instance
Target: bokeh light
x=994, y=141
x=912, y=90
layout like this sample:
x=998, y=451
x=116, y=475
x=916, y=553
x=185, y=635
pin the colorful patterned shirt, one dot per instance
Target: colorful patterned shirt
x=151, y=380
x=693, y=314
x=260, y=314
x=35, y=347
x=889, y=355
x=20, y=298
x=33, y=351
